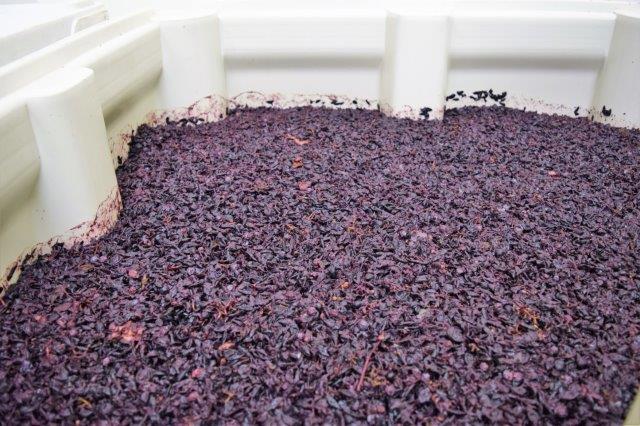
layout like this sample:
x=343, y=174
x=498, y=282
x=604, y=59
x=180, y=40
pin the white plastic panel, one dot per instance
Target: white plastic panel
x=20, y=73
x=307, y=33
x=530, y=34
x=30, y=25
x=138, y=52
x=357, y=77
x=307, y=51
x=19, y=158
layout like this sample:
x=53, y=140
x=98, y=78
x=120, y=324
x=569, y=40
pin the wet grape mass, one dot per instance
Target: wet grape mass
x=317, y=265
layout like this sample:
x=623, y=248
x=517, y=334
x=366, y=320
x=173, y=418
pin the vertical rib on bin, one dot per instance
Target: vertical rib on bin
x=617, y=97
x=192, y=62
x=76, y=173
x=415, y=65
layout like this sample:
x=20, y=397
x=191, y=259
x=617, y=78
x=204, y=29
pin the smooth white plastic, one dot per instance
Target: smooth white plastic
x=406, y=34
x=182, y=85
x=31, y=25
x=622, y=65
x=67, y=111
x=76, y=174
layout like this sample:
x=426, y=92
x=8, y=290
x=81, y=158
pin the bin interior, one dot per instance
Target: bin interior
x=68, y=112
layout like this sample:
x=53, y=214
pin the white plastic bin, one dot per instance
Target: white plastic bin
x=67, y=111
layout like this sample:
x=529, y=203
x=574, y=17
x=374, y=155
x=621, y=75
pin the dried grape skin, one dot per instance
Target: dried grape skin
x=486, y=265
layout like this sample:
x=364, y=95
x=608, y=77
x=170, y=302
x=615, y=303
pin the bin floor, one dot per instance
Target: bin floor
x=319, y=265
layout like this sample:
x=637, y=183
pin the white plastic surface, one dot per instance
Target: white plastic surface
x=182, y=85
x=68, y=111
x=27, y=26
x=406, y=34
